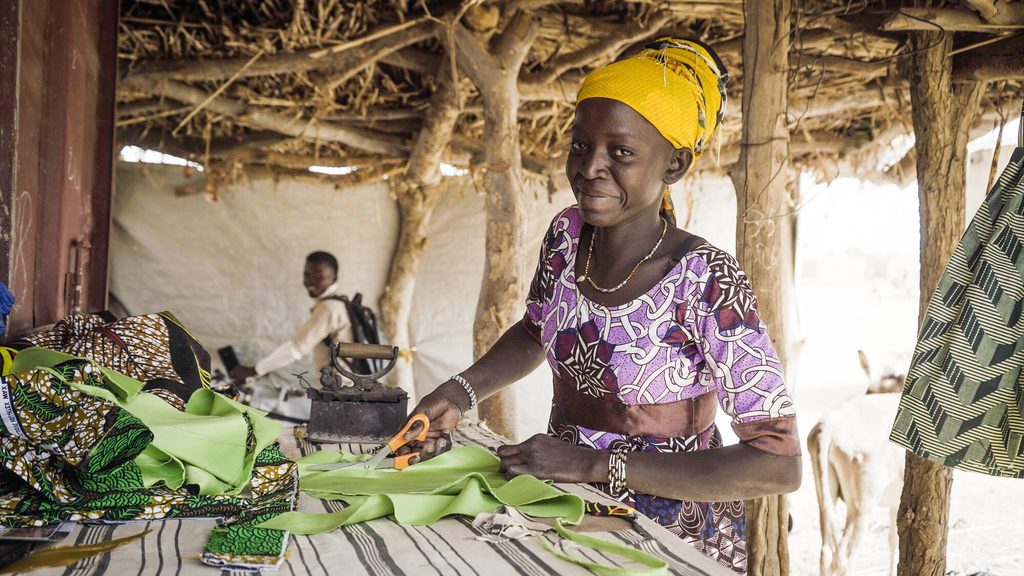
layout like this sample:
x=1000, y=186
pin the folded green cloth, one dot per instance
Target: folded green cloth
x=465, y=480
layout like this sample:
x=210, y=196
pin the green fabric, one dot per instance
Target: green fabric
x=465, y=481
x=462, y=481
x=654, y=566
x=200, y=446
x=104, y=463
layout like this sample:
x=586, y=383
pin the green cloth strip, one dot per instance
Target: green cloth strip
x=654, y=566
x=466, y=480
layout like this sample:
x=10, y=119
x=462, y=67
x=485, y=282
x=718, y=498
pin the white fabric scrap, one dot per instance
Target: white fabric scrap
x=506, y=524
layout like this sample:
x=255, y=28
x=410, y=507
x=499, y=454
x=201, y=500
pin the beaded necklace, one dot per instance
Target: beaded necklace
x=585, y=277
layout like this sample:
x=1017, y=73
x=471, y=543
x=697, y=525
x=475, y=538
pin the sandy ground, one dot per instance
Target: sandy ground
x=986, y=533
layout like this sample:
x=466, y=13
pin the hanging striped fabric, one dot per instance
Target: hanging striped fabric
x=963, y=400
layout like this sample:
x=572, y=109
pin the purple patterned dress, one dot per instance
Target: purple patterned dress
x=648, y=375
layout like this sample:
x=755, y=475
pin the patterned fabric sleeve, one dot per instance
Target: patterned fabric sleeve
x=738, y=354
x=551, y=262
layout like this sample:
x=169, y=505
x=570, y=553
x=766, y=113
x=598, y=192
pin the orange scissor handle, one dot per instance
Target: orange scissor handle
x=398, y=440
x=402, y=462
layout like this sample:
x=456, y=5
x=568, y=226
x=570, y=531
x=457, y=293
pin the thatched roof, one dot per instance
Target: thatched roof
x=281, y=85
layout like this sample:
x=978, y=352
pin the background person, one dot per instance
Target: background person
x=328, y=323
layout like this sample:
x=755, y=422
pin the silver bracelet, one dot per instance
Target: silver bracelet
x=617, y=472
x=469, y=389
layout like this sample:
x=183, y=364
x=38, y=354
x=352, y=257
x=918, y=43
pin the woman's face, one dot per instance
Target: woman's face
x=618, y=162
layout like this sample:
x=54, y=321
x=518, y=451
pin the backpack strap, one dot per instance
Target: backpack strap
x=344, y=300
x=689, y=243
x=327, y=339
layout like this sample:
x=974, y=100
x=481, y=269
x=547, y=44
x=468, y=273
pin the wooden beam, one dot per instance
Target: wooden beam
x=943, y=19
x=384, y=41
x=866, y=99
x=193, y=148
x=341, y=70
x=539, y=166
x=413, y=59
x=942, y=114
x=719, y=9
x=301, y=162
x=978, y=68
x=340, y=181
x=600, y=52
x=995, y=61
x=266, y=119
x=535, y=4
x=141, y=107
x=562, y=89
x=999, y=11
x=418, y=112
x=826, y=33
x=760, y=179
x=838, y=64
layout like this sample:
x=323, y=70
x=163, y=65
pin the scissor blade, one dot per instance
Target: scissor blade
x=378, y=459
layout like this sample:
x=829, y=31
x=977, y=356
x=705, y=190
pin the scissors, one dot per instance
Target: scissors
x=385, y=457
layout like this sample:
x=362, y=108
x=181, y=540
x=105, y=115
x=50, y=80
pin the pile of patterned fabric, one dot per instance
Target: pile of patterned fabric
x=114, y=420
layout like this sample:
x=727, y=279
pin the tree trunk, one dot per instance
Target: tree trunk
x=415, y=206
x=417, y=194
x=760, y=181
x=942, y=114
x=496, y=74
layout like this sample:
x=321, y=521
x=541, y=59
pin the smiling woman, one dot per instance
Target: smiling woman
x=650, y=330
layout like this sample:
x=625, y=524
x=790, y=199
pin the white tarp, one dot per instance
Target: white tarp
x=232, y=270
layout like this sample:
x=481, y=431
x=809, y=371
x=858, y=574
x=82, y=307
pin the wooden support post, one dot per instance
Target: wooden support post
x=417, y=193
x=495, y=73
x=943, y=113
x=760, y=181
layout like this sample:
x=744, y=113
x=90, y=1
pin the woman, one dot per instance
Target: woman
x=645, y=326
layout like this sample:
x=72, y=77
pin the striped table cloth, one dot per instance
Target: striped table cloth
x=380, y=547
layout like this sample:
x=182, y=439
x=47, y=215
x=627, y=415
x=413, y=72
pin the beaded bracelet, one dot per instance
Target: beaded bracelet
x=469, y=389
x=617, y=471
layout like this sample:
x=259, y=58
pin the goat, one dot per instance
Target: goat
x=852, y=458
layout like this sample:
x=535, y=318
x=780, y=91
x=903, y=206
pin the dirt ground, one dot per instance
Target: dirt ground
x=986, y=533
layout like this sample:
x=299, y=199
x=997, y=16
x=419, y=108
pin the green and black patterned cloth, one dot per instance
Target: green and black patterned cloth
x=80, y=441
x=963, y=400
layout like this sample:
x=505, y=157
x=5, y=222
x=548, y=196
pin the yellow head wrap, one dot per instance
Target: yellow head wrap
x=677, y=85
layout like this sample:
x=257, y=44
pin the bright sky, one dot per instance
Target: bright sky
x=858, y=271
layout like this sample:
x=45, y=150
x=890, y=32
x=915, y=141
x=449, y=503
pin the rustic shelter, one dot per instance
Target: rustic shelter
x=394, y=89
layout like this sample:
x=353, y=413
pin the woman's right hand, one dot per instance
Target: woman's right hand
x=444, y=410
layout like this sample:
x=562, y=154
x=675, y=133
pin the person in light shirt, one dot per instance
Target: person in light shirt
x=328, y=322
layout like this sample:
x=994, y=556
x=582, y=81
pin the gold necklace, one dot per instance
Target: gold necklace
x=590, y=251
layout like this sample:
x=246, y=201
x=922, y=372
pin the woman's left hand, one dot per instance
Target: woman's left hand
x=549, y=458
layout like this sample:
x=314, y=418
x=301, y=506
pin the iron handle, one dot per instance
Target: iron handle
x=355, y=350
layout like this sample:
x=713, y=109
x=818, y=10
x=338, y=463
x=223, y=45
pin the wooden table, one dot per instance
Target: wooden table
x=380, y=547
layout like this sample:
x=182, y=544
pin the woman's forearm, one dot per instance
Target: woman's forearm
x=512, y=357
x=736, y=472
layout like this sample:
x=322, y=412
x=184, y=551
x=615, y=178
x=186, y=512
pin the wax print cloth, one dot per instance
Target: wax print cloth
x=81, y=441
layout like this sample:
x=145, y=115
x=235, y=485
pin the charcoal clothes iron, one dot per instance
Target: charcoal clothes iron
x=367, y=412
